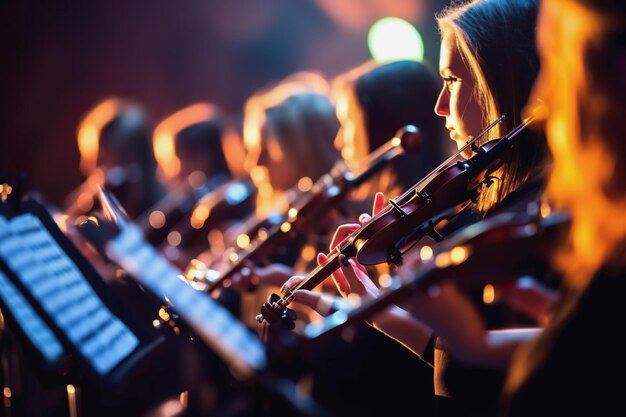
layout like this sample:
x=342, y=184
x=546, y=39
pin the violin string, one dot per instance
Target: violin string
x=444, y=164
x=337, y=250
x=455, y=155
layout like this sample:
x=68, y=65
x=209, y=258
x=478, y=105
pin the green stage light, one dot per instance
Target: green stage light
x=394, y=39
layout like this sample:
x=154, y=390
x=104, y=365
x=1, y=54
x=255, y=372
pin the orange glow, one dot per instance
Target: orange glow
x=157, y=219
x=357, y=15
x=254, y=123
x=352, y=139
x=234, y=152
x=196, y=179
x=5, y=191
x=164, y=315
x=199, y=216
x=305, y=184
x=308, y=253
x=354, y=299
x=243, y=241
x=442, y=260
x=215, y=238
x=163, y=138
x=71, y=399
x=385, y=280
x=489, y=294
x=583, y=167
x=426, y=253
x=89, y=132
x=458, y=254
x=85, y=202
x=256, y=106
x=174, y=238
x=545, y=209
x=184, y=398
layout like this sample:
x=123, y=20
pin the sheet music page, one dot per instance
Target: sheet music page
x=64, y=293
x=238, y=346
x=33, y=326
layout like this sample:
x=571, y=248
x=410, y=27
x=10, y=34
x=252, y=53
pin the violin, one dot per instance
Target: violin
x=194, y=212
x=306, y=211
x=84, y=197
x=410, y=217
x=499, y=249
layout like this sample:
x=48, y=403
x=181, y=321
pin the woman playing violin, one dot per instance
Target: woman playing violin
x=372, y=102
x=487, y=69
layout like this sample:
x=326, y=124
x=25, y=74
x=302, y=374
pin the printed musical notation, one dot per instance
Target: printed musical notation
x=236, y=344
x=27, y=318
x=64, y=293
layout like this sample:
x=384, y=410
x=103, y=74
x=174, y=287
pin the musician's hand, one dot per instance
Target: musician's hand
x=529, y=296
x=250, y=276
x=453, y=317
x=352, y=279
x=341, y=233
x=346, y=229
x=379, y=203
x=323, y=304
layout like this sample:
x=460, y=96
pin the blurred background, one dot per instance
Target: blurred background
x=61, y=58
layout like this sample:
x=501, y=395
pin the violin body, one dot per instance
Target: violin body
x=197, y=214
x=408, y=218
x=310, y=208
x=502, y=248
x=412, y=216
x=390, y=234
x=505, y=247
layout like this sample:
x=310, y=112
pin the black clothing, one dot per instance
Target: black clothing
x=569, y=369
x=461, y=390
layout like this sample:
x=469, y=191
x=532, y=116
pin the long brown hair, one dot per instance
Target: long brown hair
x=496, y=39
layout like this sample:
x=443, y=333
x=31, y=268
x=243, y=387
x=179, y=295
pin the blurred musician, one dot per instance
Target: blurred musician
x=116, y=152
x=198, y=155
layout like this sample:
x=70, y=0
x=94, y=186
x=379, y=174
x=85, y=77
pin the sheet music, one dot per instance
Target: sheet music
x=64, y=293
x=238, y=346
x=35, y=329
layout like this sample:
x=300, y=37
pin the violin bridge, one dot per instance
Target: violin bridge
x=397, y=210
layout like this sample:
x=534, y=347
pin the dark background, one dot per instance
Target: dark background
x=60, y=58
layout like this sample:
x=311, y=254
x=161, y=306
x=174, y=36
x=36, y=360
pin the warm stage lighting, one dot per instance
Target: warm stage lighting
x=394, y=39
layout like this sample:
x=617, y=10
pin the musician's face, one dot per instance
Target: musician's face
x=351, y=139
x=281, y=173
x=457, y=102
